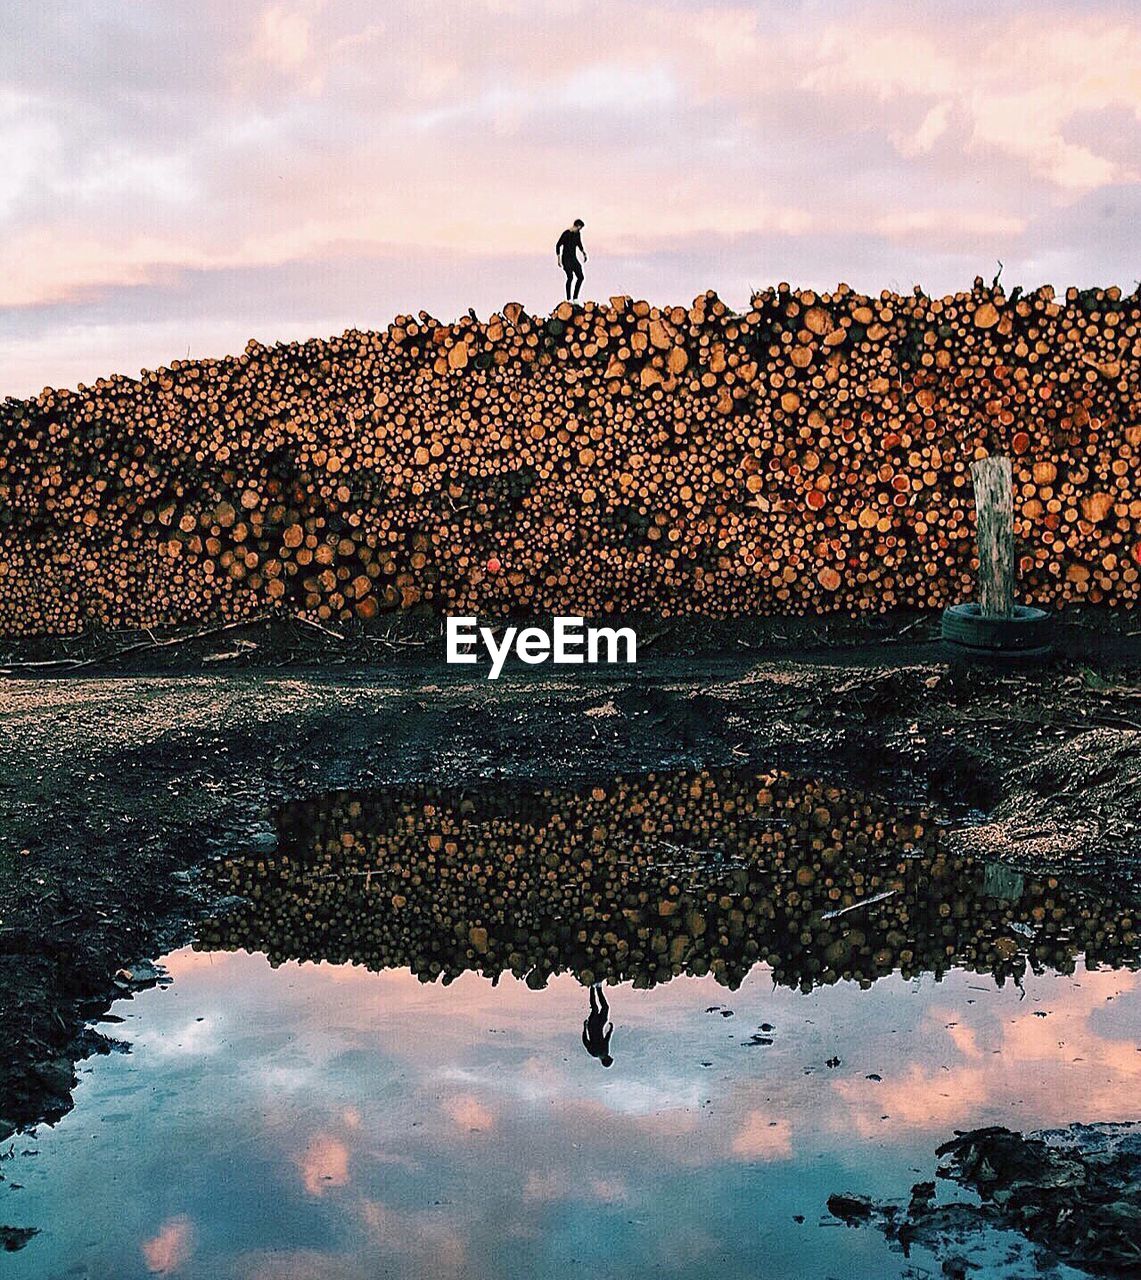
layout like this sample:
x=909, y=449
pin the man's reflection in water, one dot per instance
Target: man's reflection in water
x=597, y=1030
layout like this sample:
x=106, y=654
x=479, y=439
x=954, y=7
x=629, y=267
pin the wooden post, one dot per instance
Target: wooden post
x=994, y=508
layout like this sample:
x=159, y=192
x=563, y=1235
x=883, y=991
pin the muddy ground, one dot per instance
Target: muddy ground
x=127, y=761
x=1075, y=1193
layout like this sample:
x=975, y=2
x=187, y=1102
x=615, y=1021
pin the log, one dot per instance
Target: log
x=808, y=455
x=994, y=505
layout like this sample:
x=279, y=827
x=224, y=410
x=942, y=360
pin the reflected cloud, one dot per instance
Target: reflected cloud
x=373, y=1165
x=762, y=1138
x=186, y=1040
x=425, y=1235
x=931, y=1100
x=546, y=1186
x=170, y=1249
x=1048, y=1055
x=324, y=1164
x=469, y=1114
x=609, y=1191
x=301, y=1264
x=187, y=961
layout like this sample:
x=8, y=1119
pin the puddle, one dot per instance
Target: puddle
x=808, y=995
x=646, y=878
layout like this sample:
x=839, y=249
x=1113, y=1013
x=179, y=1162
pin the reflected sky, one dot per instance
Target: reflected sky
x=312, y=1120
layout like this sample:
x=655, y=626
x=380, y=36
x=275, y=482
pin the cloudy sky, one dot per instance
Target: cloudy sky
x=181, y=175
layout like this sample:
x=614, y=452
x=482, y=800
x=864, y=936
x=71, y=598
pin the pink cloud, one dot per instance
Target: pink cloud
x=1068, y=61
x=609, y=1190
x=968, y=1078
x=428, y=1236
x=300, y=1264
x=294, y=134
x=762, y=1138
x=469, y=1114
x=324, y=1164
x=169, y=1250
x=546, y=1186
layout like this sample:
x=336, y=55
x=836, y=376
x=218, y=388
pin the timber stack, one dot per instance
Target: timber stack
x=646, y=878
x=810, y=455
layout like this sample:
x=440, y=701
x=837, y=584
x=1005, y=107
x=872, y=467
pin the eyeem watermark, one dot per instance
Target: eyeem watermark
x=569, y=642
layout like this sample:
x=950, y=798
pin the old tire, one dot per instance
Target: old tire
x=1025, y=636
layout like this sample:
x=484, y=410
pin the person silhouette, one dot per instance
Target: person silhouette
x=566, y=254
x=597, y=1029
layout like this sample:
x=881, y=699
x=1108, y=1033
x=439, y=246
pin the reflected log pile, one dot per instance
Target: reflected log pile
x=647, y=878
x=809, y=455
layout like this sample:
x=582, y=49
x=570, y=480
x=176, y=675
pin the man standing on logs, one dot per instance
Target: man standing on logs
x=566, y=254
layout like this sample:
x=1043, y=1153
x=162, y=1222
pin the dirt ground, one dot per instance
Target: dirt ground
x=1075, y=1193
x=126, y=762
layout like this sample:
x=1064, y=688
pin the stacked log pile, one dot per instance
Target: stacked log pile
x=644, y=879
x=811, y=454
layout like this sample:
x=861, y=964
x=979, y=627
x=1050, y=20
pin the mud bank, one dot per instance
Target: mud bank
x=117, y=790
x=1073, y=1192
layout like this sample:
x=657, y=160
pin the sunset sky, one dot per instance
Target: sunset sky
x=182, y=175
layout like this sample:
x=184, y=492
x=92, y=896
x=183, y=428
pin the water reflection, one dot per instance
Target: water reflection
x=647, y=878
x=597, y=1029
x=278, y=1120
x=323, y=1121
